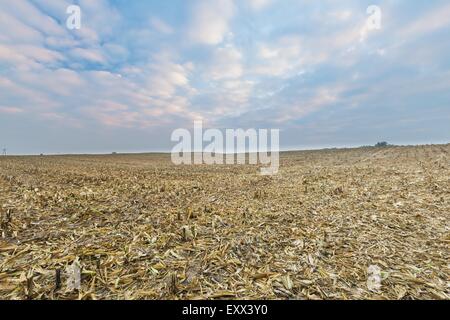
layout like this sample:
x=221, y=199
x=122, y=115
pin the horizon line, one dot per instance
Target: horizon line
x=285, y=150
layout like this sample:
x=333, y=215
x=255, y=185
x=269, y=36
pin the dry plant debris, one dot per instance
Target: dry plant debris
x=368, y=223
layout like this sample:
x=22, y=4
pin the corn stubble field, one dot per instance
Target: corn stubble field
x=138, y=227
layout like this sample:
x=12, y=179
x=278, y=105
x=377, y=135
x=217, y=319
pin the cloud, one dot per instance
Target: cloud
x=323, y=97
x=10, y=110
x=286, y=64
x=164, y=77
x=226, y=63
x=35, y=18
x=91, y=55
x=341, y=15
x=40, y=54
x=161, y=26
x=210, y=21
x=22, y=32
x=101, y=16
x=433, y=20
x=259, y=4
x=288, y=56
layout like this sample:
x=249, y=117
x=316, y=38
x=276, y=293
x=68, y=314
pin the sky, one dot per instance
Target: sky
x=137, y=70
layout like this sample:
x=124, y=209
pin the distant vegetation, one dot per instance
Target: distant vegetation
x=382, y=144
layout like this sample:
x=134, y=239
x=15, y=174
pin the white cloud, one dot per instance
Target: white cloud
x=259, y=4
x=161, y=26
x=101, y=16
x=91, y=55
x=431, y=21
x=305, y=105
x=281, y=57
x=342, y=15
x=39, y=53
x=10, y=110
x=27, y=57
x=210, y=21
x=22, y=32
x=33, y=17
x=164, y=77
x=226, y=64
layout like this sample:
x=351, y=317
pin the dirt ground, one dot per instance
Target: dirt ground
x=138, y=227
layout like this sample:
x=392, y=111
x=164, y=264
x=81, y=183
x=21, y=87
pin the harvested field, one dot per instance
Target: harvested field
x=138, y=227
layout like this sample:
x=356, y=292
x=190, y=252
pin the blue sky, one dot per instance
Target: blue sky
x=137, y=70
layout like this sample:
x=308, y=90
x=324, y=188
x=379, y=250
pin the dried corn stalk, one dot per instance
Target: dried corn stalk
x=73, y=273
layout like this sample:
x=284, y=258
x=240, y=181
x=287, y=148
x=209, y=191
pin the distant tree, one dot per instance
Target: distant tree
x=381, y=144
